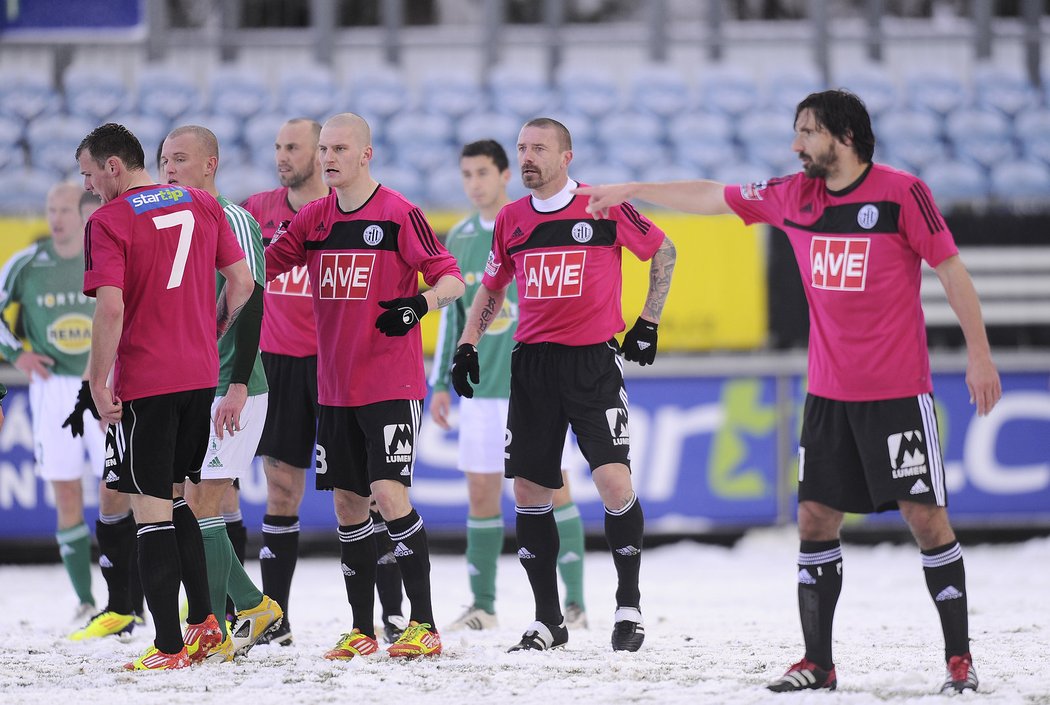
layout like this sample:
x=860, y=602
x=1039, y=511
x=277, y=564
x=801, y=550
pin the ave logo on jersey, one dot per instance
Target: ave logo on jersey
x=70, y=333
x=617, y=419
x=346, y=275
x=907, y=454
x=554, y=275
x=839, y=263
x=295, y=282
x=398, y=439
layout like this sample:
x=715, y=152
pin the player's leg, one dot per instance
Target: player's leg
x=74, y=541
x=570, y=553
x=205, y=500
x=388, y=579
x=235, y=529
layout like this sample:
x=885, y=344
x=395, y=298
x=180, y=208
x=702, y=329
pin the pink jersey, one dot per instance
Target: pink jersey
x=859, y=252
x=357, y=260
x=161, y=246
x=567, y=265
x=288, y=314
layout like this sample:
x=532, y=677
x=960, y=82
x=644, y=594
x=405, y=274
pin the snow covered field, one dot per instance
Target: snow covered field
x=720, y=623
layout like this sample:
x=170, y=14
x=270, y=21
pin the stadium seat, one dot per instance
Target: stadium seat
x=451, y=92
x=742, y=173
x=897, y=124
x=633, y=139
x=873, y=84
x=404, y=179
x=308, y=90
x=226, y=127
x=659, y=89
x=786, y=86
x=422, y=140
x=167, y=90
x=602, y=173
x=912, y=153
x=670, y=172
x=524, y=92
x=378, y=91
x=502, y=127
x=11, y=130
x=444, y=189
x=702, y=140
x=238, y=90
x=976, y=122
x=1021, y=181
x=1032, y=130
x=767, y=136
x=589, y=90
x=238, y=181
x=11, y=156
x=259, y=135
x=1004, y=89
x=24, y=191
x=94, y=92
x=937, y=89
x=25, y=93
x=53, y=141
x=726, y=89
x=986, y=150
x=150, y=131
x=953, y=181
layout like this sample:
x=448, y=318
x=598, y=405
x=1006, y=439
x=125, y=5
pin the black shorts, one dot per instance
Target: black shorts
x=552, y=386
x=161, y=440
x=866, y=456
x=291, y=414
x=361, y=444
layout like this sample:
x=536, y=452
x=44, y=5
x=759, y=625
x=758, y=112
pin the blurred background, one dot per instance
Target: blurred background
x=651, y=90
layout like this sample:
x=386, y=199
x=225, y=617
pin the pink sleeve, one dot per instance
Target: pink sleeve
x=758, y=201
x=105, y=254
x=420, y=247
x=636, y=232
x=499, y=270
x=286, y=249
x=923, y=226
x=228, y=250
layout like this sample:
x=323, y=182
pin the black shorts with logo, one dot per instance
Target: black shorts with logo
x=291, y=414
x=865, y=457
x=160, y=440
x=361, y=444
x=552, y=386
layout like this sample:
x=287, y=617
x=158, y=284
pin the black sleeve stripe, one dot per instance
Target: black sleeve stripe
x=928, y=209
x=424, y=233
x=636, y=218
x=87, y=247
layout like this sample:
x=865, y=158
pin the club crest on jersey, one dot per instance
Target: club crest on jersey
x=398, y=438
x=907, y=454
x=868, y=216
x=346, y=275
x=582, y=232
x=753, y=191
x=158, y=198
x=373, y=235
x=281, y=230
x=554, y=275
x=839, y=263
x=617, y=419
x=491, y=265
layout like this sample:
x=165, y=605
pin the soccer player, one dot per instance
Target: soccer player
x=155, y=327
x=364, y=247
x=567, y=368
x=45, y=280
x=483, y=418
x=190, y=157
x=869, y=440
x=289, y=353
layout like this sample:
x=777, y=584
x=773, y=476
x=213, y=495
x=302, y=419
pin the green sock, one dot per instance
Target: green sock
x=570, y=556
x=74, y=545
x=218, y=554
x=484, y=543
x=243, y=591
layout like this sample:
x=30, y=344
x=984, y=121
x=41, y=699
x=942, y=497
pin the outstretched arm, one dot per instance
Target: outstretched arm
x=700, y=196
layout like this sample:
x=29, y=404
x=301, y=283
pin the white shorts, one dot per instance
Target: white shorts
x=60, y=456
x=483, y=436
x=232, y=456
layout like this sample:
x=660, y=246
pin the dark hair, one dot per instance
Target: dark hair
x=113, y=140
x=843, y=115
x=564, y=138
x=487, y=148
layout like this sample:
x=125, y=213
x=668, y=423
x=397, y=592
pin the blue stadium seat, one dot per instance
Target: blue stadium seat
x=150, y=131
x=11, y=130
x=633, y=139
x=94, y=92
x=308, y=90
x=238, y=90
x=896, y=124
x=767, y=136
x=670, y=172
x=937, y=89
x=953, y=181
x=589, y=90
x=444, y=189
x=402, y=178
x=602, y=173
x=522, y=91
x=502, y=127
x=378, y=91
x=167, y=90
x=24, y=191
x=451, y=92
x=1021, y=181
x=1004, y=89
x=786, y=86
x=53, y=141
x=977, y=122
x=11, y=156
x=238, y=181
x=873, y=84
x=26, y=93
x=660, y=89
x=912, y=153
x=727, y=89
x=1032, y=130
x=226, y=127
x=703, y=140
x=259, y=136
x=986, y=150
x=422, y=140
x=742, y=173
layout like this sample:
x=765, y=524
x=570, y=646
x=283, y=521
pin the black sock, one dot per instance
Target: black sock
x=388, y=575
x=623, y=530
x=538, y=546
x=135, y=592
x=194, y=563
x=413, y=558
x=819, y=586
x=116, y=548
x=946, y=581
x=238, y=534
x=357, y=550
x=160, y=572
x=277, y=557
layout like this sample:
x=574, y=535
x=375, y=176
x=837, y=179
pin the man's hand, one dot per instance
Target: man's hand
x=982, y=379
x=401, y=315
x=31, y=363
x=440, y=405
x=75, y=421
x=602, y=198
x=639, y=345
x=110, y=409
x=228, y=412
x=464, y=365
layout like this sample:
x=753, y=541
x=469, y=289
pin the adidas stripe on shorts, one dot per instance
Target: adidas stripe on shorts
x=232, y=456
x=866, y=456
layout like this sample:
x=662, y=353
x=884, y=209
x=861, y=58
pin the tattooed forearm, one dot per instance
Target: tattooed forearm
x=224, y=317
x=488, y=315
x=443, y=301
x=660, y=270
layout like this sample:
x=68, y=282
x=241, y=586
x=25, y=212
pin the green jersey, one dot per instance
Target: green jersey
x=55, y=313
x=470, y=242
x=249, y=237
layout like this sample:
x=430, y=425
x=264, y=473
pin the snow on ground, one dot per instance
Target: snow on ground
x=720, y=623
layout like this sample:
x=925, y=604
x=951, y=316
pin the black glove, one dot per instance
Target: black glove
x=464, y=365
x=639, y=345
x=401, y=314
x=75, y=421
